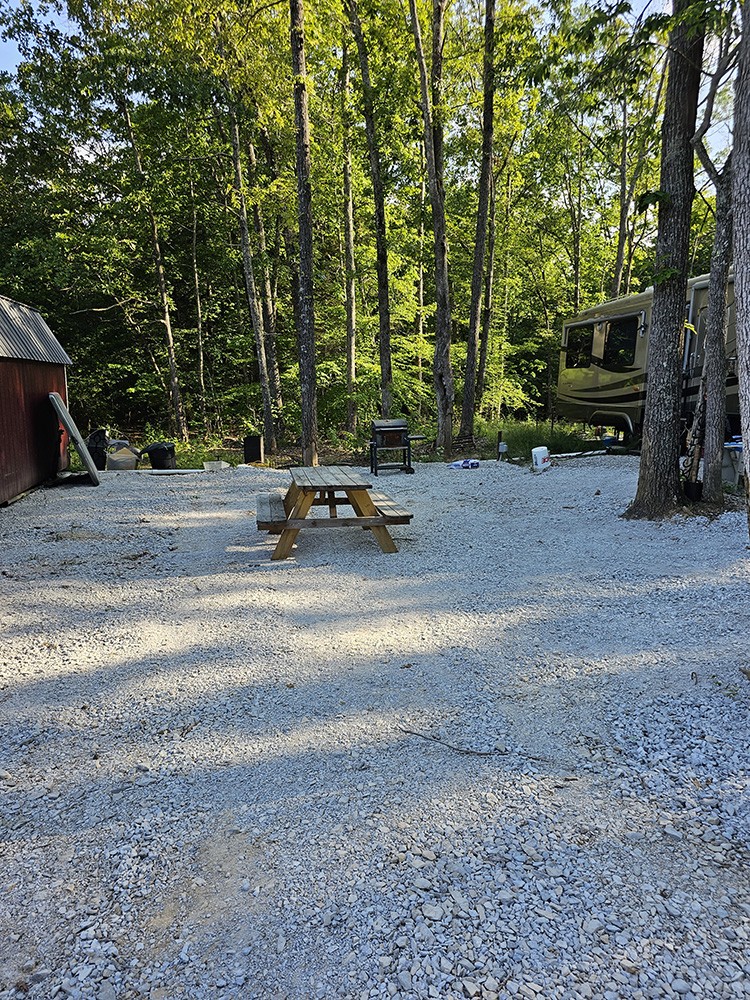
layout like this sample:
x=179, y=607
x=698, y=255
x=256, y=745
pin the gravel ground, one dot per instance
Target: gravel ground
x=509, y=761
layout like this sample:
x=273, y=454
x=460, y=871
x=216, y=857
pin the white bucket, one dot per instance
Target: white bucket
x=540, y=459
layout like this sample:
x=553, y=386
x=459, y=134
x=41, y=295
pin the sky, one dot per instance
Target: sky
x=8, y=56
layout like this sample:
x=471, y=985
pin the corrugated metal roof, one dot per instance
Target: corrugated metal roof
x=24, y=335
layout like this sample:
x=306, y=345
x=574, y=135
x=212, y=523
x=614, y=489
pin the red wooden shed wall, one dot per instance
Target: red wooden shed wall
x=31, y=447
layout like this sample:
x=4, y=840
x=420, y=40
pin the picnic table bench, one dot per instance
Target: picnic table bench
x=330, y=487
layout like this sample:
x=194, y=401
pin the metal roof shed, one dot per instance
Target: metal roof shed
x=32, y=364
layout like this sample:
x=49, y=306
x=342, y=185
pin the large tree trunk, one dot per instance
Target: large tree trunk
x=349, y=263
x=381, y=237
x=306, y=331
x=175, y=392
x=741, y=199
x=432, y=114
x=658, y=481
x=485, y=183
x=714, y=362
x=251, y=291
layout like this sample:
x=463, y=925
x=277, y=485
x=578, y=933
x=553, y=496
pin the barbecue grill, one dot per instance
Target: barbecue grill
x=393, y=436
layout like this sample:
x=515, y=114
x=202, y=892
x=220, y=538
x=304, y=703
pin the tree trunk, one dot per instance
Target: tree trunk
x=714, y=361
x=741, y=199
x=381, y=237
x=485, y=183
x=432, y=114
x=198, y=304
x=420, y=272
x=251, y=291
x=268, y=306
x=489, y=281
x=658, y=481
x=161, y=281
x=349, y=263
x=627, y=192
x=622, y=229
x=306, y=332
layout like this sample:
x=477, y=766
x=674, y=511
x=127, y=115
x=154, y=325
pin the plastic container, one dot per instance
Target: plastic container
x=540, y=459
x=161, y=454
x=215, y=466
x=122, y=460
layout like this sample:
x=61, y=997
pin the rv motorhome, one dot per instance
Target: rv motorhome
x=603, y=375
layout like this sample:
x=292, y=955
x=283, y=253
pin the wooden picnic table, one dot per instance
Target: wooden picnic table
x=331, y=487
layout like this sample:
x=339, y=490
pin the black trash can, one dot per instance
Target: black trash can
x=161, y=455
x=253, y=448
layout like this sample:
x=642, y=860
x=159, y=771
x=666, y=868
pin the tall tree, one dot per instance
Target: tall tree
x=248, y=271
x=378, y=195
x=349, y=264
x=175, y=391
x=268, y=299
x=485, y=184
x=306, y=331
x=741, y=197
x=658, y=480
x=714, y=363
x=433, y=116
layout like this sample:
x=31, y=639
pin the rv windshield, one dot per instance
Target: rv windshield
x=578, y=345
x=619, y=347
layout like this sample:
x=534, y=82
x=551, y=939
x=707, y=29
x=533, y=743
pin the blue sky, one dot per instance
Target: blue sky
x=8, y=56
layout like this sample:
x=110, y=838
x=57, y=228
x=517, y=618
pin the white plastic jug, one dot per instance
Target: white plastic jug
x=540, y=459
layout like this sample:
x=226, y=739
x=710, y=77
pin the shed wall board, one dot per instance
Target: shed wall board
x=31, y=448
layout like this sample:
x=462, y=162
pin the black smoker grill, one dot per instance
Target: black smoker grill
x=391, y=435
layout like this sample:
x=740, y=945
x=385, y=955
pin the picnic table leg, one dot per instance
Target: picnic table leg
x=362, y=503
x=290, y=500
x=288, y=535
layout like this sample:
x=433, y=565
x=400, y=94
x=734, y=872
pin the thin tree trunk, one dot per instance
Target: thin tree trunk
x=198, y=304
x=489, y=281
x=628, y=189
x=349, y=263
x=251, y=291
x=268, y=306
x=161, y=282
x=291, y=250
x=658, y=480
x=741, y=199
x=307, y=369
x=714, y=361
x=420, y=271
x=485, y=183
x=622, y=229
x=381, y=236
x=432, y=114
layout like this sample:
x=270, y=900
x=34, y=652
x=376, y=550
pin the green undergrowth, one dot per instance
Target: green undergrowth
x=522, y=436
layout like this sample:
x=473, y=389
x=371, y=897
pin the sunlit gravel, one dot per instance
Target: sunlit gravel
x=510, y=760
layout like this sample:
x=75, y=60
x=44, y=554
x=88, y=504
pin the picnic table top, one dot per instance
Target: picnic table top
x=329, y=477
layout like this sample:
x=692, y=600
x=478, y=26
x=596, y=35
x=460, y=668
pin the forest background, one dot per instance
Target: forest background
x=149, y=202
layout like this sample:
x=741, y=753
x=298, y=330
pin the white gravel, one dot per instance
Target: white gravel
x=509, y=761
